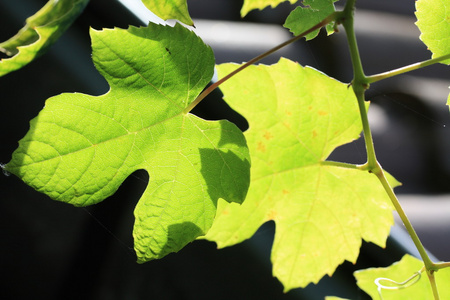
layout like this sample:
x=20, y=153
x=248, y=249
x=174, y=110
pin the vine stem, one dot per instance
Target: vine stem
x=213, y=86
x=429, y=265
x=360, y=83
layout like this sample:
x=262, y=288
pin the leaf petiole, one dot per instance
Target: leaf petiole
x=405, y=69
x=332, y=17
x=441, y=265
x=339, y=164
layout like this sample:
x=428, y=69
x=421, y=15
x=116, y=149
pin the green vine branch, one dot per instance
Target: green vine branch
x=412, y=67
x=359, y=84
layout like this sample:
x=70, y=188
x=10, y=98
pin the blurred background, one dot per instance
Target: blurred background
x=51, y=250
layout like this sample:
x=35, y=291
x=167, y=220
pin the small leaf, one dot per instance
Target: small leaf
x=40, y=32
x=297, y=116
x=170, y=9
x=260, y=4
x=80, y=148
x=416, y=288
x=303, y=18
x=433, y=20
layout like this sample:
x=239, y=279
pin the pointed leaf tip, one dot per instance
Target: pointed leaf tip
x=172, y=9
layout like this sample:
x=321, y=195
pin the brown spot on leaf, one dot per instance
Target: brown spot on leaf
x=322, y=113
x=314, y=133
x=285, y=192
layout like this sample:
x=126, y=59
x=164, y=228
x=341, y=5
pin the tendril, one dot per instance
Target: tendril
x=394, y=285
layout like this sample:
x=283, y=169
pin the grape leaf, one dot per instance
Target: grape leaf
x=80, y=148
x=433, y=20
x=170, y=9
x=303, y=18
x=40, y=32
x=400, y=272
x=297, y=116
x=260, y=4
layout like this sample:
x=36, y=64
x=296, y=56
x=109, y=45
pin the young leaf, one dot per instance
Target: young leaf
x=433, y=20
x=170, y=9
x=39, y=33
x=80, y=148
x=297, y=116
x=260, y=4
x=303, y=18
x=414, y=287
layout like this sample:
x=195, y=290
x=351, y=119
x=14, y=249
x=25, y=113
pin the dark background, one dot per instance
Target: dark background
x=51, y=250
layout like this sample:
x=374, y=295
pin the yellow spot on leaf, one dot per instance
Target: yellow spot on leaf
x=267, y=135
x=271, y=215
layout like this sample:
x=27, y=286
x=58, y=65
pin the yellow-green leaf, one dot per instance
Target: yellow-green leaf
x=297, y=116
x=170, y=9
x=260, y=4
x=433, y=20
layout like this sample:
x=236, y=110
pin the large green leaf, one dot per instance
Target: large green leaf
x=297, y=116
x=170, y=9
x=303, y=18
x=39, y=33
x=80, y=148
x=416, y=288
x=260, y=4
x=433, y=20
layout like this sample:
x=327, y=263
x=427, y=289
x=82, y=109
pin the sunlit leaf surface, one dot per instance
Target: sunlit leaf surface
x=433, y=20
x=170, y=9
x=80, y=148
x=322, y=210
